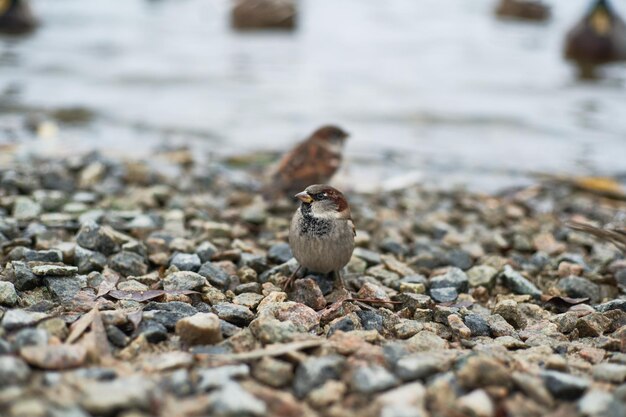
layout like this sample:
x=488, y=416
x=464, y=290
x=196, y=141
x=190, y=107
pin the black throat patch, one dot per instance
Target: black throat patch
x=309, y=224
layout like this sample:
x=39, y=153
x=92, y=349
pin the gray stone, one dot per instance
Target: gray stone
x=611, y=305
x=514, y=281
x=8, y=295
x=477, y=325
x=313, y=372
x=578, y=287
x=15, y=319
x=482, y=275
x=108, y=397
x=64, y=289
x=369, y=256
x=13, y=371
x=205, y=251
x=128, y=264
x=511, y=313
x=421, y=366
x=153, y=331
x=88, y=260
x=24, y=254
x=233, y=313
x=98, y=238
x=371, y=379
x=168, y=314
x=233, y=401
x=279, y=253
x=500, y=327
x=184, y=280
x=444, y=295
x=215, y=275
x=273, y=372
x=26, y=209
x=211, y=378
x=564, y=386
x=186, y=261
x=610, y=372
x=595, y=403
x=54, y=270
x=453, y=278
x=29, y=337
x=23, y=277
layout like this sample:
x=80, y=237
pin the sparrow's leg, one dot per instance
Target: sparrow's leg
x=291, y=279
x=338, y=280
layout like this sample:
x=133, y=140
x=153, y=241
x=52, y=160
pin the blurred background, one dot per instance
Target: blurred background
x=442, y=92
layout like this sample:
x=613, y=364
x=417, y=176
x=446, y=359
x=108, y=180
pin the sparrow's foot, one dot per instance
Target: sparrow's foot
x=291, y=279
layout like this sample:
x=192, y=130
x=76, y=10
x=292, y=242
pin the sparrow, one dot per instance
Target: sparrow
x=599, y=38
x=16, y=17
x=614, y=235
x=313, y=161
x=322, y=233
x=523, y=9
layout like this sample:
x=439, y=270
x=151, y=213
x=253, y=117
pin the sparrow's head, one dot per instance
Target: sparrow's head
x=331, y=134
x=324, y=201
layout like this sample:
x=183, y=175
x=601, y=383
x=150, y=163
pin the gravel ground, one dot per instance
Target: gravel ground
x=127, y=290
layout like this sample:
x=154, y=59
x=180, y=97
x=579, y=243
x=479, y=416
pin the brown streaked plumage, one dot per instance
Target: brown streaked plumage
x=313, y=161
x=322, y=232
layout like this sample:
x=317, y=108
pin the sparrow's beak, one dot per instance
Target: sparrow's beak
x=304, y=197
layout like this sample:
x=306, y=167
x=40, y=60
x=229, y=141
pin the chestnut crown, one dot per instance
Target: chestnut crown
x=331, y=133
x=324, y=197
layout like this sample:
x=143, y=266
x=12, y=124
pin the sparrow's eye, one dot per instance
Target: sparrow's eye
x=320, y=196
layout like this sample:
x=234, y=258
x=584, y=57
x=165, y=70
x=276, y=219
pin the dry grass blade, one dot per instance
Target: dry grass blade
x=272, y=350
x=80, y=325
x=615, y=236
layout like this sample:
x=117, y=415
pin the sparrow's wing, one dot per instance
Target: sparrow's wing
x=308, y=163
x=615, y=236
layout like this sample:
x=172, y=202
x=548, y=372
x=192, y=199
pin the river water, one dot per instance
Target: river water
x=438, y=91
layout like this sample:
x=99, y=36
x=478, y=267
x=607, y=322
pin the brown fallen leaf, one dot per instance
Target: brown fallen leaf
x=135, y=317
x=103, y=349
x=562, y=304
x=79, y=326
x=141, y=296
x=111, y=278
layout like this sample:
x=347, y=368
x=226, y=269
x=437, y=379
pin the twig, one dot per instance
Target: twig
x=272, y=350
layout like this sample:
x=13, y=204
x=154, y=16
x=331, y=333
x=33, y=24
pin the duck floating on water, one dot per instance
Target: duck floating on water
x=16, y=17
x=523, y=10
x=264, y=14
x=599, y=38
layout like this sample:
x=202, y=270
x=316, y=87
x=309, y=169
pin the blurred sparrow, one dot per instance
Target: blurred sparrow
x=16, y=17
x=322, y=233
x=313, y=161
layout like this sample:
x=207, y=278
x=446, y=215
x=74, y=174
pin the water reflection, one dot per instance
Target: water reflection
x=452, y=93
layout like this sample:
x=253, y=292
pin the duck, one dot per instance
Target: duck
x=264, y=14
x=16, y=17
x=598, y=38
x=523, y=9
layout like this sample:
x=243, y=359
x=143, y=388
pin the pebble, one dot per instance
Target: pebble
x=186, y=262
x=477, y=325
x=23, y=277
x=420, y=366
x=453, y=278
x=483, y=371
x=215, y=275
x=17, y=318
x=233, y=313
x=57, y=357
x=279, y=253
x=199, y=329
x=315, y=371
x=13, y=371
x=233, y=401
x=444, y=295
x=8, y=295
x=273, y=372
x=128, y=264
x=184, y=280
x=371, y=379
x=108, y=397
x=97, y=238
x=306, y=291
x=578, y=287
x=221, y=376
x=477, y=403
x=610, y=372
x=518, y=284
x=564, y=386
x=482, y=276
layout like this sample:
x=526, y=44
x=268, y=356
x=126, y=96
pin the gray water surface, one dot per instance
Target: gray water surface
x=435, y=90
